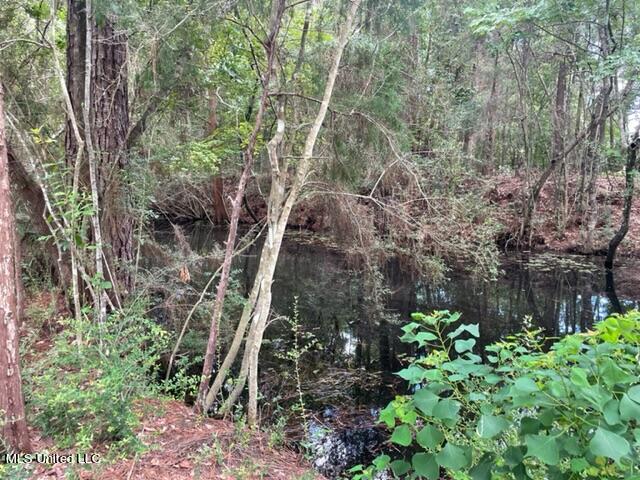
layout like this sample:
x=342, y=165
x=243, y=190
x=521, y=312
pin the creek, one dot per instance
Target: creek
x=351, y=320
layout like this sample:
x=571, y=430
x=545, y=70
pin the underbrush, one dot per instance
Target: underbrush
x=81, y=393
x=526, y=412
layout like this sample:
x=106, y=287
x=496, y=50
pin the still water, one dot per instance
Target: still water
x=353, y=317
x=350, y=321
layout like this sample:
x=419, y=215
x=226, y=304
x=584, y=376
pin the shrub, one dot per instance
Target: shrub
x=82, y=392
x=568, y=412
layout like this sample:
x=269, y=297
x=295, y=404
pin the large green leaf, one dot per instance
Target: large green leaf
x=471, y=328
x=611, y=413
x=634, y=393
x=629, y=410
x=412, y=374
x=523, y=386
x=429, y=437
x=489, y=426
x=425, y=465
x=400, y=467
x=446, y=409
x=402, y=435
x=462, y=346
x=453, y=457
x=543, y=447
x=608, y=444
x=425, y=400
x=579, y=377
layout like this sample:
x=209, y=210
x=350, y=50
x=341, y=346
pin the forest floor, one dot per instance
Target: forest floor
x=182, y=445
x=508, y=190
x=176, y=443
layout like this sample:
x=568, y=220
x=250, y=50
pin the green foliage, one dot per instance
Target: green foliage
x=82, y=393
x=566, y=413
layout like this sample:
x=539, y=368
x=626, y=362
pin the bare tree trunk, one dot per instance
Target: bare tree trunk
x=557, y=152
x=205, y=400
x=632, y=150
x=12, y=415
x=280, y=205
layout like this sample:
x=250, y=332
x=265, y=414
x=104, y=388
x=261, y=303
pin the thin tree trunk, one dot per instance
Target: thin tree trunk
x=13, y=422
x=202, y=402
x=280, y=205
x=632, y=150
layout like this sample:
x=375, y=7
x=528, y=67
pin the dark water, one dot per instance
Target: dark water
x=356, y=315
x=351, y=317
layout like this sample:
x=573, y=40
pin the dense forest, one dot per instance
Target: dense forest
x=220, y=219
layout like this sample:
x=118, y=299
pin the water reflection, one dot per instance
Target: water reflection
x=358, y=329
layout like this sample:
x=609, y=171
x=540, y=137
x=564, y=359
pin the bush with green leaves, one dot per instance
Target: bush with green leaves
x=571, y=411
x=82, y=392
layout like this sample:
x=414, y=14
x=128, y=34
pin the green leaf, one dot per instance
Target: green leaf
x=425, y=400
x=381, y=461
x=513, y=456
x=629, y=410
x=543, y=447
x=608, y=444
x=613, y=374
x=579, y=377
x=400, y=467
x=424, y=337
x=453, y=457
x=634, y=393
x=610, y=412
x=524, y=385
x=388, y=415
x=446, y=409
x=472, y=329
x=529, y=425
x=425, y=465
x=429, y=437
x=482, y=470
x=412, y=374
x=410, y=327
x=402, y=435
x=462, y=346
x=579, y=465
x=489, y=426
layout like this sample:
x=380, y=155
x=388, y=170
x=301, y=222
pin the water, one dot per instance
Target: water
x=355, y=319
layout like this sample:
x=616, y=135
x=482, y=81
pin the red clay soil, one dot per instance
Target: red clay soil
x=182, y=445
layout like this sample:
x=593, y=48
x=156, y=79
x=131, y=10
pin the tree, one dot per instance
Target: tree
x=270, y=51
x=14, y=426
x=630, y=173
x=287, y=182
x=97, y=69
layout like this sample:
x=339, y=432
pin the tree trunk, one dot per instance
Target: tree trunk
x=557, y=151
x=206, y=396
x=220, y=215
x=628, y=203
x=109, y=125
x=13, y=422
x=280, y=205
